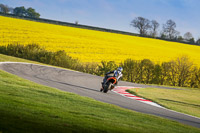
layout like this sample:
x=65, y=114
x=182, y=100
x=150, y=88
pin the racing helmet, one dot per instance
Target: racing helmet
x=120, y=69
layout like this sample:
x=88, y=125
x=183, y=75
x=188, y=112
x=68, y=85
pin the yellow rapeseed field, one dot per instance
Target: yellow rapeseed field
x=90, y=45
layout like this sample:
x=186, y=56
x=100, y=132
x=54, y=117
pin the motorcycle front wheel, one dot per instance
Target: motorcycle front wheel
x=107, y=87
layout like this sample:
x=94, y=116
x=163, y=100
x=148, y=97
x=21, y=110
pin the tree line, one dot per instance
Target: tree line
x=19, y=11
x=178, y=72
x=37, y=53
x=149, y=28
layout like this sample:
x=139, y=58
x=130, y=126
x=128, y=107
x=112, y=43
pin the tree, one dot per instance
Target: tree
x=76, y=22
x=145, y=70
x=179, y=71
x=106, y=66
x=164, y=77
x=4, y=8
x=162, y=35
x=129, y=70
x=30, y=12
x=154, y=26
x=192, y=41
x=157, y=72
x=195, y=78
x=180, y=38
x=184, y=66
x=141, y=24
x=187, y=36
x=169, y=29
x=20, y=11
x=198, y=42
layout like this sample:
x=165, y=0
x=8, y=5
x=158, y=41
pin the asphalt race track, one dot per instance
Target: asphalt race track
x=89, y=85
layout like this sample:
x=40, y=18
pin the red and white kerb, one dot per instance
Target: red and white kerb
x=122, y=91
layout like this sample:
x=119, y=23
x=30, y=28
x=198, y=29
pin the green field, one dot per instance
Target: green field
x=185, y=100
x=6, y=58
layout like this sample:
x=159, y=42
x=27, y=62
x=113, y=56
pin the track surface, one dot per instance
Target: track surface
x=89, y=85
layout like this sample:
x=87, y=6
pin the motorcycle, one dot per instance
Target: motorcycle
x=109, y=84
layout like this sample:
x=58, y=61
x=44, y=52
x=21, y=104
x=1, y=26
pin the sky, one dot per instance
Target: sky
x=118, y=14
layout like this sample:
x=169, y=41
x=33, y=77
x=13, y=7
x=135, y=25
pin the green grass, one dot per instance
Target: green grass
x=7, y=58
x=28, y=107
x=185, y=100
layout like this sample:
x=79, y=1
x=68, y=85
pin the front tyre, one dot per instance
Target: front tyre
x=107, y=87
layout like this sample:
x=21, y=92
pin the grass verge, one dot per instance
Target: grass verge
x=28, y=107
x=184, y=100
x=7, y=58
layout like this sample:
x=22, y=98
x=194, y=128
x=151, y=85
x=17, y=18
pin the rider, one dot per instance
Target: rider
x=117, y=73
